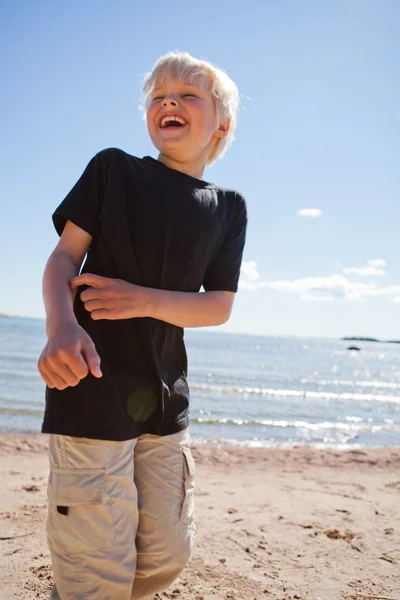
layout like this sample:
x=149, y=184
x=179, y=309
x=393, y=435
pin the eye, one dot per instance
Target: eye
x=192, y=95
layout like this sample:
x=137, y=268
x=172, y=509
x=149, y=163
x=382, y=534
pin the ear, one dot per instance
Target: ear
x=223, y=128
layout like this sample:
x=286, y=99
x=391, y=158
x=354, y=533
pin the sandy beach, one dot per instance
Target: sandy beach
x=298, y=524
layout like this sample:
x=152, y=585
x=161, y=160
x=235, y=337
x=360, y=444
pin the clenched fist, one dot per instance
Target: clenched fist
x=68, y=357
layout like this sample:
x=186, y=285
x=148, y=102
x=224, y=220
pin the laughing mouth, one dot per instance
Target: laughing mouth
x=172, y=122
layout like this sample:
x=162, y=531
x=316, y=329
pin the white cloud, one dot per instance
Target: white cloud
x=372, y=268
x=249, y=269
x=334, y=286
x=322, y=288
x=363, y=271
x=377, y=262
x=386, y=291
x=309, y=212
x=250, y=275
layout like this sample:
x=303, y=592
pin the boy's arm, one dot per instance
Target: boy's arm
x=115, y=299
x=190, y=309
x=63, y=265
x=70, y=352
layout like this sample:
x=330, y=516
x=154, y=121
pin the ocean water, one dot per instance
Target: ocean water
x=246, y=390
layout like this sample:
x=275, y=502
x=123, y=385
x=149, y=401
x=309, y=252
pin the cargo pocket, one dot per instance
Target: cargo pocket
x=79, y=519
x=188, y=514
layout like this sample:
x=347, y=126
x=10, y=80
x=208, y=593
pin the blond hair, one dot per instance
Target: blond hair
x=184, y=67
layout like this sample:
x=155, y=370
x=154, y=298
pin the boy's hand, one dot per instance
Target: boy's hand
x=112, y=298
x=68, y=357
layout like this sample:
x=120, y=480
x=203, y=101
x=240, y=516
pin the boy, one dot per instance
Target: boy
x=121, y=487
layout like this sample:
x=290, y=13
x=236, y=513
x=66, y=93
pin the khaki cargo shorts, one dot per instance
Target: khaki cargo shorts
x=121, y=515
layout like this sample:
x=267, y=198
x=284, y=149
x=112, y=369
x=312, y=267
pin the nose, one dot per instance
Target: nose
x=170, y=101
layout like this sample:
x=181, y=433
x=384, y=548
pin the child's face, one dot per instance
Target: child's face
x=195, y=138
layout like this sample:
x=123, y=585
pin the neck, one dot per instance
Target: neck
x=192, y=168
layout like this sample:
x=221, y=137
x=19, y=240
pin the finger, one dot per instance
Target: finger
x=45, y=376
x=92, y=293
x=56, y=370
x=77, y=365
x=88, y=279
x=66, y=374
x=92, y=358
x=58, y=382
x=92, y=305
x=102, y=313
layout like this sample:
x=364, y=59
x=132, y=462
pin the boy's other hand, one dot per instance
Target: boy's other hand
x=68, y=357
x=112, y=298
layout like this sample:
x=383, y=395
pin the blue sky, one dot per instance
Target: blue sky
x=319, y=128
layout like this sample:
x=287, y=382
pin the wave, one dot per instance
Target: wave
x=350, y=427
x=23, y=398
x=21, y=411
x=348, y=383
x=31, y=375
x=256, y=391
x=282, y=444
x=19, y=358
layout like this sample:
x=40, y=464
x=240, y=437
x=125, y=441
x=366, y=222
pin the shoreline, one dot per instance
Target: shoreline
x=280, y=524
x=223, y=443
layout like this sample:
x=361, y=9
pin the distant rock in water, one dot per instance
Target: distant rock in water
x=360, y=339
x=353, y=348
x=368, y=339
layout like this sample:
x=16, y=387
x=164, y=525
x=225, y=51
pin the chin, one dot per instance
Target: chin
x=171, y=146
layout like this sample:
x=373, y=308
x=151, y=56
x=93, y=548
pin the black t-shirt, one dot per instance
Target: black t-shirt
x=155, y=227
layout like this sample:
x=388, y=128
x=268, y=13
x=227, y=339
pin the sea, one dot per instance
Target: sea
x=246, y=390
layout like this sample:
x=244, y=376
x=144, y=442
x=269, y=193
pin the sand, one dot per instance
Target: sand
x=272, y=524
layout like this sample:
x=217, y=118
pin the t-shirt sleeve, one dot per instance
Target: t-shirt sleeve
x=83, y=203
x=223, y=273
